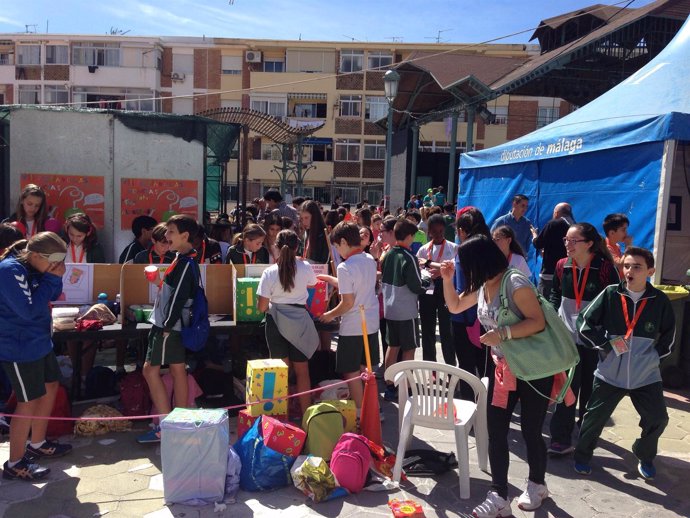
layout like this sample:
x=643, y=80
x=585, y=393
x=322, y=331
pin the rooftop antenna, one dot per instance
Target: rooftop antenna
x=30, y=28
x=114, y=31
x=352, y=38
x=395, y=39
x=438, y=36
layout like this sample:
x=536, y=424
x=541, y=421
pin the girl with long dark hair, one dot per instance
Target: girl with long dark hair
x=282, y=293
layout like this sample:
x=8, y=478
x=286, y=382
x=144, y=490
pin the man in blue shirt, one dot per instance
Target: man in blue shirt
x=516, y=220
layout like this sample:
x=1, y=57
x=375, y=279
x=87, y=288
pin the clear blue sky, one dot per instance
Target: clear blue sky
x=366, y=20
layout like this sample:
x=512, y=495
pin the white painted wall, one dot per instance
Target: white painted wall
x=95, y=144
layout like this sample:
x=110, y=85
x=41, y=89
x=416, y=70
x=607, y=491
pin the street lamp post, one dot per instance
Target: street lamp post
x=390, y=86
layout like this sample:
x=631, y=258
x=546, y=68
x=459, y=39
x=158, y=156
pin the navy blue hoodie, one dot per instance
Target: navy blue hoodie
x=25, y=320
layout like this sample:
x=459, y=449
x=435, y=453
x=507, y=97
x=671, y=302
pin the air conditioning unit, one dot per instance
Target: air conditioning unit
x=177, y=76
x=252, y=56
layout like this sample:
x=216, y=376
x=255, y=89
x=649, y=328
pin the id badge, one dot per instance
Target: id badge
x=619, y=345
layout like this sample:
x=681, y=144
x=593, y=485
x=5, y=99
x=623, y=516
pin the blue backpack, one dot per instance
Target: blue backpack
x=195, y=334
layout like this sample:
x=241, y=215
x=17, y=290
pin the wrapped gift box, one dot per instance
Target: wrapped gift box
x=267, y=379
x=349, y=411
x=283, y=437
x=318, y=298
x=194, y=452
x=245, y=300
x=245, y=421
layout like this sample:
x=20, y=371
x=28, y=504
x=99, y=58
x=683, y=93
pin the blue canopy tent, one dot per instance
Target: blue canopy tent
x=615, y=154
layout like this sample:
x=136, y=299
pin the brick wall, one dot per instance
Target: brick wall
x=373, y=168
x=481, y=128
x=346, y=169
x=9, y=95
x=375, y=80
x=348, y=125
x=56, y=72
x=207, y=68
x=522, y=118
x=166, y=68
x=166, y=102
x=206, y=102
x=371, y=128
x=350, y=82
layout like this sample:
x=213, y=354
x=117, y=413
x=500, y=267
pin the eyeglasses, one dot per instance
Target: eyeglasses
x=573, y=241
x=55, y=257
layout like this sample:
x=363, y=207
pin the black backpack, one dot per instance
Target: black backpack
x=427, y=463
x=195, y=334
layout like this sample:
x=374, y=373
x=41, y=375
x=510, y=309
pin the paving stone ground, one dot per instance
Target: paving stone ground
x=123, y=479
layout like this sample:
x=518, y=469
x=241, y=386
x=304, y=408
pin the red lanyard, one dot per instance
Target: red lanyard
x=440, y=252
x=353, y=252
x=162, y=257
x=74, y=253
x=579, y=294
x=203, y=252
x=170, y=268
x=631, y=325
x=244, y=258
x=306, y=246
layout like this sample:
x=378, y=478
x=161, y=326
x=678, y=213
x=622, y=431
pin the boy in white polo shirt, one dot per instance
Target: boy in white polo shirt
x=357, y=286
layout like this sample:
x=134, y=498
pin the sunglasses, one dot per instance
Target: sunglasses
x=55, y=257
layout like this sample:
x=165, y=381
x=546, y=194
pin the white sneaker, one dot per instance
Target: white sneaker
x=493, y=507
x=533, y=496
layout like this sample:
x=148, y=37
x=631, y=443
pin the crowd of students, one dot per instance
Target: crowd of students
x=411, y=277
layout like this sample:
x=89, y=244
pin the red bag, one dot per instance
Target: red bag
x=134, y=394
x=61, y=408
x=317, y=299
x=283, y=437
x=350, y=462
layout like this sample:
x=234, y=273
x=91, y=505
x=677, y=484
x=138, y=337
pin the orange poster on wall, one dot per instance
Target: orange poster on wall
x=68, y=194
x=157, y=198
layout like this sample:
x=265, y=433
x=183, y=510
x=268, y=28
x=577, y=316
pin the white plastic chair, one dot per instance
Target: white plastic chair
x=432, y=386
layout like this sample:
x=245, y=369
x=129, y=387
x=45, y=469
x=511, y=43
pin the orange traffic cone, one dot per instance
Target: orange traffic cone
x=369, y=420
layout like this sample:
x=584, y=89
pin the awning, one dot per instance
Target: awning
x=317, y=141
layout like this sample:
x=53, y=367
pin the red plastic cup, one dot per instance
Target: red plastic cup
x=151, y=272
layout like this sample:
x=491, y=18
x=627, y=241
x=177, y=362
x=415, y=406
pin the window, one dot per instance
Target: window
x=5, y=58
x=271, y=152
x=351, y=60
x=322, y=152
x=231, y=65
x=29, y=94
x=310, y=61
x=96, y=54
x=501, y=113
x=547, y=116
x=274, y=108
x=350, y=105
x=347, y=150
x=57, y=55
x=377, y=108
x=28, y=54
x=374, y=150
x=56, y=94
x=310, y=110
x=274, y=65
x=380, y=60
x=140, y=102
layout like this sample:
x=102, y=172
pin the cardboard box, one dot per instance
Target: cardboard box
x=267, y=379
x=318, y=299
x=349, y=411
x=246, y=298
x=282, y=437
x=245, y=421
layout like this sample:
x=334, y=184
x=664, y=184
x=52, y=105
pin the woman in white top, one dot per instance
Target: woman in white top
x=504, y=237
x=290, y=331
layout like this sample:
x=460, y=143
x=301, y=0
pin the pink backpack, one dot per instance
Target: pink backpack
x=350, y=462
x=134, y=394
